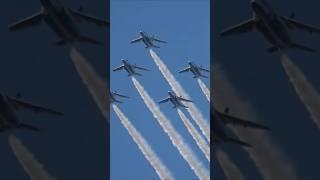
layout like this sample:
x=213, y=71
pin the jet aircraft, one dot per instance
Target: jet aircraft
x=147, y=40
x=275, y=28
x=175, y=100
x=195, y=69
x=64, y=21
x=113, y=98
x=130, y=68
x=8, y=107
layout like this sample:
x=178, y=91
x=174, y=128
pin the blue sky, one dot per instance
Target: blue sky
x=186, y=27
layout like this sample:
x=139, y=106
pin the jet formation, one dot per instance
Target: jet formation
x=275, y=28
x=63, y=20
x=175, y=100
x=9, y=105
x=195, y=69
x=113, y=95
x=130, y=68
x=147, y=40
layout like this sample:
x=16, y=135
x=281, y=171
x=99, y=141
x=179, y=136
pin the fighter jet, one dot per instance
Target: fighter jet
x=195, y=69
x=147, y=40
x=274, y=27
x=218, y=122
x=8, y=106
x=175, y=100
x=64, y=21
x=113, y=98
x=130, y=68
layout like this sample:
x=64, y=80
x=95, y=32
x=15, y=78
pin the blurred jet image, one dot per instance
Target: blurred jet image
x=147, y=40
x=175, y=100
x=8, y=106
x=130, y=68
x=113, y=96
x=195, y=69
x=64, y=21
x=219, y=120
x=274, y=27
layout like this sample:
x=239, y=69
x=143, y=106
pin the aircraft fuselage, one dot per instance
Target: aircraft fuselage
x=146, y=40
x=174, y=100
x=217, y=128
x=195, y=70
x=128, y=68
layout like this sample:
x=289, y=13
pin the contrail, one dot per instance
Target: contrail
x=30, y=165
x=144, y=146
x=204, y=89
x=201, y=142
x=176, y=87
x=306, y=92
x=230, y=169
x=270, y=159
x=96, y=85
x=174, y=136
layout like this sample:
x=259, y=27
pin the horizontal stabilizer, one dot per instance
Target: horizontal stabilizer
x=28, y=127
x=235, y=141
x=302, y=47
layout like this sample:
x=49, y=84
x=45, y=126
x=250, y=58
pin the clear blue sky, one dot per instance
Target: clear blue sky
x=185, y=25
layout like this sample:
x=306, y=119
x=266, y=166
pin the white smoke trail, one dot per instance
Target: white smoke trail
x=174, y=136
x=176, y=87
x=306, y=92
x=269, y=158
x=144, y=146
x=230, y=169
x=204, y=89
x=96, y=85
x=201, y=142
x=30, y=165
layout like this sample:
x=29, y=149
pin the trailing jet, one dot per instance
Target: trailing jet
x=175, y=100
x=8, y=106
x=130, y=68
x=113, y=98
x=147, y=40
x=273, y=26
x=64, y=21
x=218, y=122
x=195, y=69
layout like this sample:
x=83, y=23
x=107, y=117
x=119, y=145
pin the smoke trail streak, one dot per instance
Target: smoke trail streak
x=174, y=136
x=96, y=85
x=144, y=146
x=30, y=165
x=269, y=158
x=306, y=92
x=201, y=142
x=176, y=87
x=230, y=169
x=204, y=89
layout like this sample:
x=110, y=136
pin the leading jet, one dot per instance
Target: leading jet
x=113, y=96
x=147, y=40
x=175, y=100
x=130, y=68
x=8, y=107
x=220, y=119
x=274, y=27
x=195, y=69
x=64, y=21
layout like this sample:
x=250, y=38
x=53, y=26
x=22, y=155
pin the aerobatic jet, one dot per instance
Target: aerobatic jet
x=8, y=107
x=113, y=96
x=274, y=27
x=195, y=69
x=175, y=100
x=147, y=40
x=63, y=20
x=130, y=68
x=220, y=119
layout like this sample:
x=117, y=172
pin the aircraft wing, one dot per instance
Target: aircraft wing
x=243, y=27
x=297, y=24
x=182, y=99
x=164, y=100
x=36, y=108
x=120, y=95
x=204, y=69
x=227, y=119
x=158, y=40
x=140, y=68
x=118, y=68
x=30, y=21
x=89, y=18
x=185, y=70
x=137, y=40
